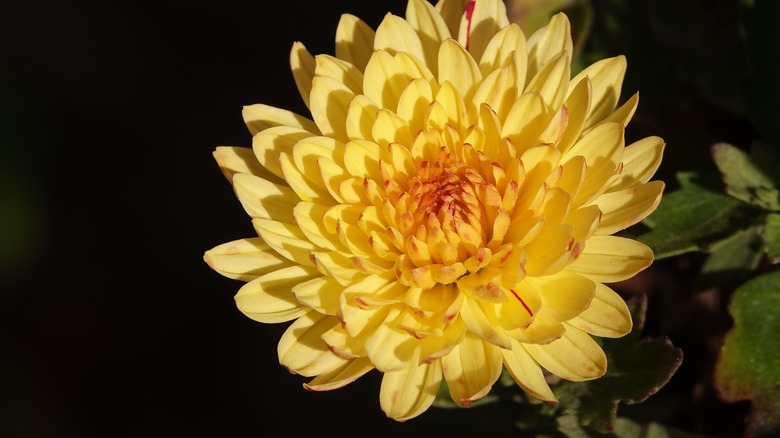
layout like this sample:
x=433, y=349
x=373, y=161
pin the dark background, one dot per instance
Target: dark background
x=111, y=324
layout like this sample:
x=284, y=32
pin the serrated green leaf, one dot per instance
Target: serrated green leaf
x=637, y=369
x=751, y=178
x=771, y=235
x=732, y=259
x=748, y=366
x=691, y=218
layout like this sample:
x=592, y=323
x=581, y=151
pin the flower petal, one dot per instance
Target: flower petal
x=641, y=159
x=264, y=199
x=607, y=316
x=575, y=356
x=302, y=65
x=268, y=298
x=302, y=350
x=354, y=41
x=457, y=67
x=394, y=34
x=329, y=102
x=321, y=294
x=609, y=259
x=507, y=44
x=286, y=239
x=259, y=117
x=547, y=42
x=341, y=376
x=236, y=159
x=606, y=78
x=624, y=208
x=430, y=26
x=471, y=369
x=342, y=71
x=244, y=259
x=269, y=144
x=409, y=391
x=527, y=373
x=487, y=18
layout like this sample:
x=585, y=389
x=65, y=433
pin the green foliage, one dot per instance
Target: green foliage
x=749, y=364
x=751, y=178
x=692, y=218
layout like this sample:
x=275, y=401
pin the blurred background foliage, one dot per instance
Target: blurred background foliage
x=111, y=325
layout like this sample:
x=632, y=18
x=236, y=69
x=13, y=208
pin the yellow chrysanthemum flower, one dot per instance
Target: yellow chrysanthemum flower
x=448, y=210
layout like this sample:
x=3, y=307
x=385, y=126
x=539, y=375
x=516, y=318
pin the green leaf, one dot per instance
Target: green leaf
x=733, y=259
x=691, y=218
x=771, y=235
x=748, y=366
x=750, y=178
x=624, y=428
x=637, y=369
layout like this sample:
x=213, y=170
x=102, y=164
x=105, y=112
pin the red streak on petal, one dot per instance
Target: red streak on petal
x=527, y=309
x=469, y=12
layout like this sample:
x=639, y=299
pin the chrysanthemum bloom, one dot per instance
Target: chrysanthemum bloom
x=447, y=212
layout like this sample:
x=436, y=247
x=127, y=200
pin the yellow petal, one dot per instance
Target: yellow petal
x=394, y=34
x=383, y=81
x=550, y=251
x=471, y=369
x=354, y=41
x=575, y=356
x=306, y=187
x=309, y=217
x=602, y=148
x=621, y=115
x=577, y=105
x=268, y=298
x=412, y=105
x=457, y=67
x=526, y=120
x=302, y=65
x=435, y=347
x=269, y=144
x=259, y=117
x=487, y=18
x=264, y=199
x=244, y=259
x=235, y=159
x=609, y=259
x=286, y=239
x=302, y=350
x=337, y=264
x=548, y=41
x=340, y=377
x=452, y=12
x=527, y=373
x=508, y=43
x=566, y=293
x=361, y=115
x=606, y=78
x=328, y=103
x=499, y=91
x=429, y=24
x=409, y=391
x=552, y=80
x=641, y=159
x=607, y=316
x=624, y=208
x=391, y=349
x=342, y=71
x=390, y=128
x=480, y=318
x=321, y=294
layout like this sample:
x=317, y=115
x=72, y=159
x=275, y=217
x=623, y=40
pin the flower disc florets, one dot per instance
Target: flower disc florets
x=448, y=210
